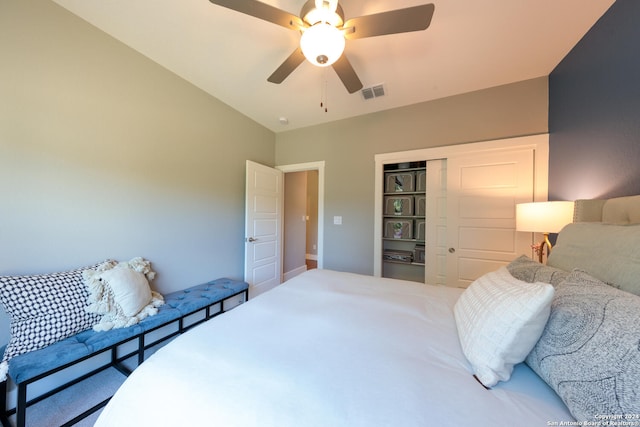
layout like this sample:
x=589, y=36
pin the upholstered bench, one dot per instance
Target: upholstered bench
x=201, y=302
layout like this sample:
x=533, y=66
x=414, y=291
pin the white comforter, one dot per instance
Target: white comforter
x=328, y=349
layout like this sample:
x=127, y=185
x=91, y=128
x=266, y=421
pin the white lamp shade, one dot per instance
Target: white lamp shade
x=543, y=217
x=322, y=44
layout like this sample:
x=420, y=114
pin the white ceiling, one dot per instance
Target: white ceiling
x=470, y=45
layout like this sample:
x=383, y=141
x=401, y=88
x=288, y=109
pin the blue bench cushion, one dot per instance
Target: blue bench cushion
x=29, y=365
x=44, y=308
x=177, y=304
x=191, y=299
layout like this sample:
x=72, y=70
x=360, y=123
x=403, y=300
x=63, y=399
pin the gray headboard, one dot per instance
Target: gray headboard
x=604, y=241
x=619, y=210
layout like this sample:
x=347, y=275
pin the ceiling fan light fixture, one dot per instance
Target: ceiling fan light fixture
x=323, y=15
x=322, y=44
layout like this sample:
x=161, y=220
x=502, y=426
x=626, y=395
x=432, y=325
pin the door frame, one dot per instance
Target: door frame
x=539, y=143
x=318, y=166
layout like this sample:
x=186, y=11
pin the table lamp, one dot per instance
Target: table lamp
x=543, y=217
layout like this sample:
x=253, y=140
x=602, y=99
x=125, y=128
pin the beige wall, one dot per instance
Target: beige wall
x=295, y=208
x=312, y=212
x=348, y=148
x=300, y=235
x=105, y=154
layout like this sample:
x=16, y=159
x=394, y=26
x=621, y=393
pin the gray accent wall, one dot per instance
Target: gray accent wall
x=105, y=154
x=594, y=111
x=348, y=148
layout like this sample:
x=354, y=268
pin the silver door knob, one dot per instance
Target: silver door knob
x=452, y=250
x=251, y=240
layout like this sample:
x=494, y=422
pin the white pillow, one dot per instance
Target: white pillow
x=130, y=289
x=121, y=293
x=499, y=320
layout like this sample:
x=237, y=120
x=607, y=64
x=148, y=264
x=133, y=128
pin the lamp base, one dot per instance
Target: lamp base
x=540, y=248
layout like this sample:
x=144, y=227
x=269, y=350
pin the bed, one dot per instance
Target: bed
x=329, y=348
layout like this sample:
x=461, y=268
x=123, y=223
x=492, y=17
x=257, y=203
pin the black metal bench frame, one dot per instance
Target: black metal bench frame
x=116, y=361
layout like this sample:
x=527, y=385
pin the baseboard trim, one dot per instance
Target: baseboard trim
x=293, y=273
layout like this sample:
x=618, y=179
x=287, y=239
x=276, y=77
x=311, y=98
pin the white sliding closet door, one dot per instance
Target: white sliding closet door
x=472, y=191
x=436, y=223
x=482, y=191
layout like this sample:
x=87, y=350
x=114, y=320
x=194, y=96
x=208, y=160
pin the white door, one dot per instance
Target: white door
x=482, y=192
x=263, y=227
x=436, y=222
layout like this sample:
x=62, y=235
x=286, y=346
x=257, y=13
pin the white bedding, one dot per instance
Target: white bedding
x=328, y=349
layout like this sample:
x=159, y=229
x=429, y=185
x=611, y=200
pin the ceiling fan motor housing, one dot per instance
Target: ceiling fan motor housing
x=310, y=14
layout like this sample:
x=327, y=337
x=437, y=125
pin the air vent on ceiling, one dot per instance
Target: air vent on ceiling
x=373, y=92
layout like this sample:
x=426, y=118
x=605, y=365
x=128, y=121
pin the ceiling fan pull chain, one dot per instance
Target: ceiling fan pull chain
x=325, y=94
x=323, y=91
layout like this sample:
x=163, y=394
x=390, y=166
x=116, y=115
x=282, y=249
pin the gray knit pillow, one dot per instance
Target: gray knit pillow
x=530, y=271
x=589, y=352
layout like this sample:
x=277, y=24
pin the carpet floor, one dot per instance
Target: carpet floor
x=69, y=403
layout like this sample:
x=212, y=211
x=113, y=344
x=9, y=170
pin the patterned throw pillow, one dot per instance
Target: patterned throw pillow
x=528, y=270
x=589, y=352
x=499, y=319
x=44, y=309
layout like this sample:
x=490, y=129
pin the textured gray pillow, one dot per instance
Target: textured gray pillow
x=589, y=352
x=530, y=271
x=608, y=252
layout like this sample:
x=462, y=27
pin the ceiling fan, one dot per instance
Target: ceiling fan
x=324, y=31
